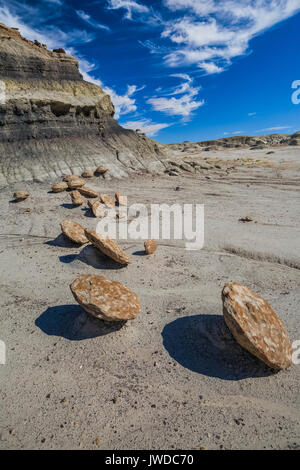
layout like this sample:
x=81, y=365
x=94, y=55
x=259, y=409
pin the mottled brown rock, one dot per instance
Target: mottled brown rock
x=69, y=178
x=21, y=195
x=107, y=246
x=105, y=299
x=150, y=247
x=107, y=200
x=87, y=174
x=77, y=199
x=255, y=326
x=76, y=183
x=88, y=192
x=59, y=187
x=121, y=200
x=101, y=170
x=98, y=209
x=73, y=231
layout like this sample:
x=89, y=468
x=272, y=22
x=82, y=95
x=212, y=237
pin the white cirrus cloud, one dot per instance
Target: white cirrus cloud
x=181, y=106
x=145, y=125
x=124, y=104
x=210, y=33
x=131, y=6
x=51, y=36
x=275, y=128
x=88, y=19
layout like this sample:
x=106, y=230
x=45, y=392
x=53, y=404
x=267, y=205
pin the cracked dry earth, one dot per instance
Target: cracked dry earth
x=174, y=377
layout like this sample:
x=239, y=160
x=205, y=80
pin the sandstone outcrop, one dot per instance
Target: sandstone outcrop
x=59, y=187
x=21, y=195
x=73, y=231
x=77, y=199
x=150, y=247
x=98, y=209
x=107, y=246
x=255, y=326
x=105, y=299
x=88, y=192
x=107, y=200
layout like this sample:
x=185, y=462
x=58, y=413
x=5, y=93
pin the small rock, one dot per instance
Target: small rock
x=255, y=326
x=77, y=199
x=69, y=178
x=21, y=195
x=107, y=246
x=73, y=231
x=87, y=192
x=76, y=183
x=107, y=200
x=97, y=442
x=246, y=219
x=98, y=209
x=101, y=170
x=121, y=200
x=87, y=174
x=150, y=247
x=105, y=299
x=59, y=187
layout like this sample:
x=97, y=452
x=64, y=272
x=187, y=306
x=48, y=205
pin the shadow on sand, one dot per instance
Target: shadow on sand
x=63, y=242
x=204, y=344
x=92, y=257
x=74, y=323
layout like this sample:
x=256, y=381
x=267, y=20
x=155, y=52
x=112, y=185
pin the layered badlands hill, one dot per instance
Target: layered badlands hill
x=53, y=122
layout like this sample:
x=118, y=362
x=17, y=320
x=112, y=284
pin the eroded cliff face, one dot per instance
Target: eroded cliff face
x=53, y=122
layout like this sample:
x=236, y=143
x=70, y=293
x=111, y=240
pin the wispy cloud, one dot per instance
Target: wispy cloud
x=275, y=128
x=50, y=35
x=130, y=6
x=182, y=106
x=88, y=19
x=234, y=133
x=145, y=125
x=210, y=33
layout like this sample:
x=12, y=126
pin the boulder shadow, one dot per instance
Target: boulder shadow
x=139, y=253
x=204, y=344
x=63, y=242
x=74, y=323
x=92, y=257
x=16, y=201
x=88, y=212
x=68, y=206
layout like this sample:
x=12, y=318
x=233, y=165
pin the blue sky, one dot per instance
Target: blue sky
x=179, y=69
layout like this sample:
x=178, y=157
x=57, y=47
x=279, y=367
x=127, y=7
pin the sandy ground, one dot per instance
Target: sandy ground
x=171, y=379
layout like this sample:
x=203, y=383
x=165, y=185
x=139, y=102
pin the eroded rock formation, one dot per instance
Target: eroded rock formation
x=52, y=122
